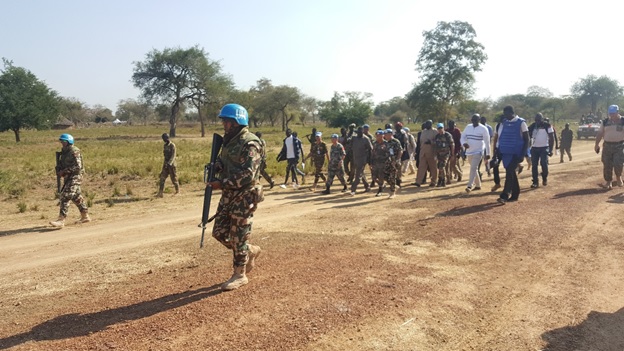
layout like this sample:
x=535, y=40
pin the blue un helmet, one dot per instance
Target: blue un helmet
x=68, y=138
x=236, y=112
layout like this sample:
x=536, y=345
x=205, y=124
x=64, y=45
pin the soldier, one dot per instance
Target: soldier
x=361, y=148
x=393, y=166
x=263, y=165
x=453, y=166
x=444, y=147
x=318, y=153
x=567, y=135
x=379, y=159
x=70, y=169
x=336, y=165
x=427, y=158
x=169, y=166
x=348, y=160
x=238, y=165
x=612, y=131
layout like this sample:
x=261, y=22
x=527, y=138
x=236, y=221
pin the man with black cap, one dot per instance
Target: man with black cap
x=612, y=131
x=169, y=166
x=513, y=141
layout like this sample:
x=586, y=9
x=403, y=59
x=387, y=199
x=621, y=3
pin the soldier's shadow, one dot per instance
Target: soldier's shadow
x=75, y=324
x=37, y=229
x=598, y=332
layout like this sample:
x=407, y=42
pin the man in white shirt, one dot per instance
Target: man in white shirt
x=542, y=142
x=475, y=140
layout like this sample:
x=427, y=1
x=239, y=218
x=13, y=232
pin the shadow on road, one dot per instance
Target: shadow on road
x=75, y=325
x=462, y=211
x=580, y=192
x=37, y=229
x=599, y=332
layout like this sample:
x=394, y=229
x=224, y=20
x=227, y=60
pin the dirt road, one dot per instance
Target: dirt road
x=432, y=269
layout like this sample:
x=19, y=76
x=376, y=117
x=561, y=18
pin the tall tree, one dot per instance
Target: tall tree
x=25, y=101
x=73, y=109
x=592, y=91
x=344, y=109
x=132, y=110
x=170, y=76
x=447, y=61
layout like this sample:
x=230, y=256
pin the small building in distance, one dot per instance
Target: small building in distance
x=63, y=123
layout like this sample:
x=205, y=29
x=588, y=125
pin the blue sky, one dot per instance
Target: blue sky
x=86, y=49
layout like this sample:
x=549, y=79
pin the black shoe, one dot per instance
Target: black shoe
x=325, y=192
x=535, y=185
x=344, y=190
x=418, y=185
x=545, y=182
x=272, y=185
x=476, y=188
x=501, y=201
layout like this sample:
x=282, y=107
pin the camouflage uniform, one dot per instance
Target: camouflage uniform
x=263, y=164
x=379, y=159
x=239, y=163
x=336, y=166
x=169, y=167
x=443, y=144
x=393, y=165
x=71, y=169
x=318, y=152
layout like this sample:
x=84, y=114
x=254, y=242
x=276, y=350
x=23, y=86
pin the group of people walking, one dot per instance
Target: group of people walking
x=389, y=153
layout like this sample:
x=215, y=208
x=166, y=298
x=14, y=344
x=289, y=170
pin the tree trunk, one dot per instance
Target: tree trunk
x=17, y=136
x=201, y=121
x=173, y=119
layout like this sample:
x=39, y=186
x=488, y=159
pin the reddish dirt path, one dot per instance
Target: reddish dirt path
x=433, y=269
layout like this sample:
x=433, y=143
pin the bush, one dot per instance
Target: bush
x=22, y=207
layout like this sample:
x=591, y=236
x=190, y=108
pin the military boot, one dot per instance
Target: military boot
x=326, y=192
x=237, y=280
x=254, y=252
x=177, y=189
x=442, y=183
x=59, y=223
x=84, y=218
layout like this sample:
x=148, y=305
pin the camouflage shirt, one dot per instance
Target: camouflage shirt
x=239, y=161
x=443, y=143
x=336, y=155
x=395, y=149
x=169, y=151
x=318, y=151
x=381, y=153
x=71, y=161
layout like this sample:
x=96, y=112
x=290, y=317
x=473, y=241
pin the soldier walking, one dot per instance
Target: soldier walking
x=612, y=131
x=567, y=135
x=444, y=148
x=379, y=160
x=393, y=166
x=238, y=165
x=336, y=165
x=169, y=166
x=263, y=164
x=318, y=153
x=361, y=148
x=71, y=170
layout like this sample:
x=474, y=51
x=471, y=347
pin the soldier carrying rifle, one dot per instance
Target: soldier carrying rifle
x=239, y=169
x=69, y=168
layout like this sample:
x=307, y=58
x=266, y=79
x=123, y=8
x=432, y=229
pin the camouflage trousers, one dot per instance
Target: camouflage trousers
x=71, y=192
x=331, y=173
x=318, y=170
x=378, y=173
x=612, y=160
x=443, y=159
x=390, y=173
x=232, y=224
x=166, y=172
x=264, y=173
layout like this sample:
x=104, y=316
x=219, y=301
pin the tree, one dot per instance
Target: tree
x=132, y=110
x=447, y=61
x=25, y=101
x=591, y=91
x=344, y=109
x=170, y=76
x=73, y=109
x=309, y=108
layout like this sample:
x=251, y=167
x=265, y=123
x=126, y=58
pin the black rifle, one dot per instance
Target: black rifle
x=58, y=169
x=209, y=176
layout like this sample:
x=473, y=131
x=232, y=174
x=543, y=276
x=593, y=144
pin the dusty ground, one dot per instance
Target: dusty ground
x=433, y=269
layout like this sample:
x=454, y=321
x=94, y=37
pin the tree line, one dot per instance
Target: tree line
x=186, y=84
